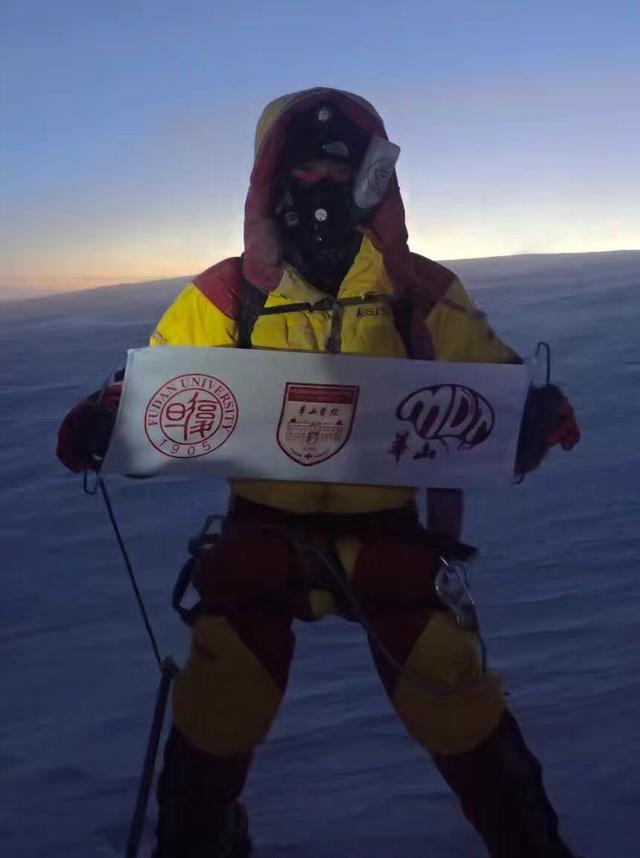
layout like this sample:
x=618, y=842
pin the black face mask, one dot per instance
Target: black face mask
x=317, y=223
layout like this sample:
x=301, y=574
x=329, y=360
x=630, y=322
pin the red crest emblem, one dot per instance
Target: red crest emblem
x=316, y=421
x=190, y=415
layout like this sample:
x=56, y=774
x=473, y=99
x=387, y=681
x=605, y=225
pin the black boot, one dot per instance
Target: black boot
x=500, y=787
x=199, y=815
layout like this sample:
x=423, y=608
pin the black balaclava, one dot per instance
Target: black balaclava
x=316, y=219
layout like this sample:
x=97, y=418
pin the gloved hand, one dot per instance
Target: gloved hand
x=85, y=432
x=548, y=419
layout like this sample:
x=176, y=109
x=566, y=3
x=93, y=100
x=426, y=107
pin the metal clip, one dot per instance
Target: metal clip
x=546, y=348
x=453, y=589
x=452, y=586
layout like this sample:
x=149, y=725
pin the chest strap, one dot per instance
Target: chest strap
x=253, y=299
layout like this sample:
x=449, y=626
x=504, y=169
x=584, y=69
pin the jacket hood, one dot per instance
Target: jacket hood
x=263, y=263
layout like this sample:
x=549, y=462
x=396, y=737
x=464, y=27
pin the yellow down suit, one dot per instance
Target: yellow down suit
x=229, y=692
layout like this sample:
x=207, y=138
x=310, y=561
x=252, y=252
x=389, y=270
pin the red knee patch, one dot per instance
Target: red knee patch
x=270, y=639
x=393, y=580
x=249, y=578
x=398, y=632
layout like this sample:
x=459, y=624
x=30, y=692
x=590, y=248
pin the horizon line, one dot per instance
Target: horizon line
x=43, y=292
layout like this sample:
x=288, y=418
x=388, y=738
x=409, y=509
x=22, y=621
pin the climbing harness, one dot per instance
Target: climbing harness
x=451, y=586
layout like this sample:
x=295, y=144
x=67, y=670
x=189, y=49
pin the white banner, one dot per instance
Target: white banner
x=281, y=415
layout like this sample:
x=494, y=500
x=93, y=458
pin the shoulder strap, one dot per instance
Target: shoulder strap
x=252, y=301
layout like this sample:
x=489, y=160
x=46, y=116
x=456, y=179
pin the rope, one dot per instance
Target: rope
x=168, y=672
x=129, y=567
x=431, y=689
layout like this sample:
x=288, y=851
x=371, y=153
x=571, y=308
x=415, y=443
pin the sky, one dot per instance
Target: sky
x=126, y=127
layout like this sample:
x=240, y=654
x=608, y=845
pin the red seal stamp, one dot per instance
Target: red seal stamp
x=316, y=421
x=190, y=415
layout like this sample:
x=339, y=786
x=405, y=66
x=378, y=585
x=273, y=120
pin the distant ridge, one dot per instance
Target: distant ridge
x=478, y=268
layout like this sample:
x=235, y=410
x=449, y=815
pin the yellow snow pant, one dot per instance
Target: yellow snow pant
x=253, y=584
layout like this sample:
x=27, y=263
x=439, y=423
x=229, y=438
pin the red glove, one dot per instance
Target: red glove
x=567, y=432
x=548, y=419
x=85, y=432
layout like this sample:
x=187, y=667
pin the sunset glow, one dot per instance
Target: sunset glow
x=127, y=132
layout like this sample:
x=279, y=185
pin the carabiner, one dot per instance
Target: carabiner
x=452, y=588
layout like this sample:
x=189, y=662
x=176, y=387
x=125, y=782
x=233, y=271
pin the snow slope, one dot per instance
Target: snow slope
x=558, y=588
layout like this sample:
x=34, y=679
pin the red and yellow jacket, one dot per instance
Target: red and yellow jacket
x=444, y=323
